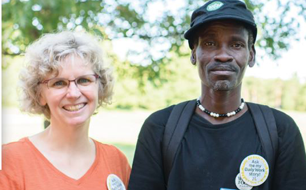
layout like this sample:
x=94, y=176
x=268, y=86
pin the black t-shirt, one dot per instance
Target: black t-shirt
x=210, y=155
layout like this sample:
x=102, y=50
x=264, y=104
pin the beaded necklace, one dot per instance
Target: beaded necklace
x=213, y=114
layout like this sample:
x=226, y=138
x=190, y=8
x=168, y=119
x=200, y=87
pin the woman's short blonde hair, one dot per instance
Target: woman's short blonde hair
x=44, y=57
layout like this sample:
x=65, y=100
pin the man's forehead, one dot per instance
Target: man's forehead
x=222, y=24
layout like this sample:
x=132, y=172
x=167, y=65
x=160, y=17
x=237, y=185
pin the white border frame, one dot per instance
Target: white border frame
x=1, y=90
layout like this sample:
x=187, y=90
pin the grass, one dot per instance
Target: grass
x=127, y=149
x=119, y=128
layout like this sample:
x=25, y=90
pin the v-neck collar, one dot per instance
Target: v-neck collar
x=58, y=173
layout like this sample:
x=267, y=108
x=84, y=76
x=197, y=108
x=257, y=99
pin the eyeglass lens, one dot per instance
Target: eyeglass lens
x=82, y=81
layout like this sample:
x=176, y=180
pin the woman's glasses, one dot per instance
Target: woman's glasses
x=82, y=82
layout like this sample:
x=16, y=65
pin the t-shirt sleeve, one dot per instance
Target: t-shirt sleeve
x=125, y=167
x=117, y=162
x=147, y=171
x=10, y=175
x=290, y=165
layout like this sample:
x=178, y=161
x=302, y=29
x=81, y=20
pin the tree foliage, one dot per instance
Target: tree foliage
x=157, y=23
x=184, y=84
x=26, y=20
x=282, y=94
x=159, y=26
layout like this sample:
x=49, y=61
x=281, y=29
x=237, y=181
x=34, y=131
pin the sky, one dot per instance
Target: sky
x=292, y=61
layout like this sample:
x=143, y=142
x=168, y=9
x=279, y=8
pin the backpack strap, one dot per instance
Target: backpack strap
x=267, y=131
x=180, y=117
x=174, y=132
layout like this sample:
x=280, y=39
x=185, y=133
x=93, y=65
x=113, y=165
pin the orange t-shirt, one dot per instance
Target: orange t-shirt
x=25, y=168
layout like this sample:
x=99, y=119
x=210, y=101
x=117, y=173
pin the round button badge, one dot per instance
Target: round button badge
x=114, y=183
x=254, y=170
x=240, y=184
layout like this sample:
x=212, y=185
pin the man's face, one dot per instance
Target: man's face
x=222, y=54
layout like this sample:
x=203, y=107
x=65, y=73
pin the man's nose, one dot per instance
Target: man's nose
x=223, y=55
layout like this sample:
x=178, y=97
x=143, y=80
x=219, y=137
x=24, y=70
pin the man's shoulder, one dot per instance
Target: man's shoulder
x=285, y=123
x=277, y=113
x=281, y=116
x=283, y=120
x=160, y=117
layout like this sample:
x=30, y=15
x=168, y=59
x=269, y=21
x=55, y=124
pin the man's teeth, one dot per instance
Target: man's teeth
x=74, y=107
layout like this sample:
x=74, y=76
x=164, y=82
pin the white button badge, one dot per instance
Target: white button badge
x=240, y=184
x=114, y=183
x=254, y=170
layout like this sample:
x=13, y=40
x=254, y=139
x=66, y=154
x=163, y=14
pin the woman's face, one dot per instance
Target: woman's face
x=71, y=104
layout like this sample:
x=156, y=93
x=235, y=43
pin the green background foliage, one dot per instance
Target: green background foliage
x=26, y=20
x=164, y=76
x=182, y=84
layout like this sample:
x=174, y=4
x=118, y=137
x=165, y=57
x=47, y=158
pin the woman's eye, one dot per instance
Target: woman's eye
x=58, y=84
x=84, y=81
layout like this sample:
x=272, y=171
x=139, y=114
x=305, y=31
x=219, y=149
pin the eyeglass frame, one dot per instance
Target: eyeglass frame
x=74, y=80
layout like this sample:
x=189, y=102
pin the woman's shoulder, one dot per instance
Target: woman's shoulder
x=116, y=161
x=109, y=151
x=15, y=148
x=15, y=154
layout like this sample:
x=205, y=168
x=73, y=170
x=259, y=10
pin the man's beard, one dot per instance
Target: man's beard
x=222, y=85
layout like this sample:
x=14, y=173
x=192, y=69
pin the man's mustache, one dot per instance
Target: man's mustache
x=222, y=67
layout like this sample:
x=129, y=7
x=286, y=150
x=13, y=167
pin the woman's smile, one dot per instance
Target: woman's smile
x=73, y=108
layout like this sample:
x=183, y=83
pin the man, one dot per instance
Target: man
x=221, y=147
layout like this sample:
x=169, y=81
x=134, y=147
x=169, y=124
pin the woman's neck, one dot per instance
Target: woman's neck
x=61, y=137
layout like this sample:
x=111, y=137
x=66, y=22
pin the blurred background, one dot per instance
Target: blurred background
x=143, y=42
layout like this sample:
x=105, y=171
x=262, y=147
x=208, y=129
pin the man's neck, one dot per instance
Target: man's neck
x=220, y=102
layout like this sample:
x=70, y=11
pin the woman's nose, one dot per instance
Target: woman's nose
x=73, y=91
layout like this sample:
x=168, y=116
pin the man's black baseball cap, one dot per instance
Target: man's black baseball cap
x=217, y=10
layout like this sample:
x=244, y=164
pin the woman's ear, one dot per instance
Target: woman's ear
x=252, y=56
x=43, y=101
x=193, y=56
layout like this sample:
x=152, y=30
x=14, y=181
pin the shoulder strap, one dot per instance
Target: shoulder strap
x=174, y=132
x=267, y=130
x=181, y=115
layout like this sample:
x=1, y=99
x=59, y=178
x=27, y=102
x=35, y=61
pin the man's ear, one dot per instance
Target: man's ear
x=193, y=56
x=252, y=56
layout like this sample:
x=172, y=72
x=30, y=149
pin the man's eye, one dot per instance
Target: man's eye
x=238, y=45
x=209, y=43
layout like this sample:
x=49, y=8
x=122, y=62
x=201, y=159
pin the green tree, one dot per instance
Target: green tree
x=25, y=20
x=301, y=99
x=164, y=49
x=293, y=95
x=283, y=94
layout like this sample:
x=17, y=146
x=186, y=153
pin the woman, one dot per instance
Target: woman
x=66, y=80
